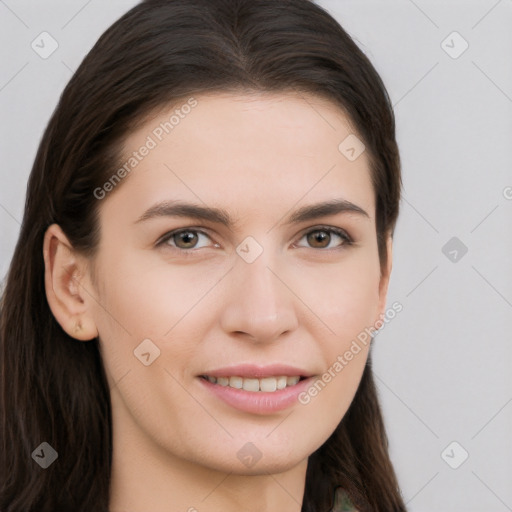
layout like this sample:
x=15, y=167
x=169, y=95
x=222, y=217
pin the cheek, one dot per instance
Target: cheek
x=124, y=313
x=330, y=395
x=344, y=295
x=347, y=303
x=350, y=315
x=147, y=297
x=142, y=298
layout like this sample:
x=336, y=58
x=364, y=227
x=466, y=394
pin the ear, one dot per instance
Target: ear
x=69, y=300
x=385, y=275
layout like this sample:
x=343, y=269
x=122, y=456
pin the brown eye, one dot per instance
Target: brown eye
x=321, y=238
x=183, y=239
x=188, y=238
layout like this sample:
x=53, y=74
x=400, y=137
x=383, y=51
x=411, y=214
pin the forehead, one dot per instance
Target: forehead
x=248, y=152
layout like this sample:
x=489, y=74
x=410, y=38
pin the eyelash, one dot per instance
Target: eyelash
x=347, y=240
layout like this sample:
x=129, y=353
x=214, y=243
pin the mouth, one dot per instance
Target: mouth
x=256, y=385
x=257, y=389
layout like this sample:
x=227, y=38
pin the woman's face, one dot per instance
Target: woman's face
x=255, y=293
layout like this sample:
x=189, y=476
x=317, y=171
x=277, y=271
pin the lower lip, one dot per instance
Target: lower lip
x=258, y=402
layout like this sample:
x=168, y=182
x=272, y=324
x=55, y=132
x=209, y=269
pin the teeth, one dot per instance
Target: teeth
x=267, y=384
x=251, y=385
x=291, y=381
x=236, y=382
x=223, y=381
x=281, y=382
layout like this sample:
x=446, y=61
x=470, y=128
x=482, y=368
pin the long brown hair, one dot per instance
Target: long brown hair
x=54, y=388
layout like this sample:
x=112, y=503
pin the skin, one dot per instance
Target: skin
x=301, y=302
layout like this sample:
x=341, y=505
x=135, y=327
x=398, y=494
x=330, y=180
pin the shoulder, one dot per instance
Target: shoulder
x=342, y=502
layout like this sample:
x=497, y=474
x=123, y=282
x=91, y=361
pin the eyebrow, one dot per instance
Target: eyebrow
x=220, y=216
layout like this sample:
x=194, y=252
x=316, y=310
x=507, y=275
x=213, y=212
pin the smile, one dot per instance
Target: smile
x=266, y=384
x=255, y=389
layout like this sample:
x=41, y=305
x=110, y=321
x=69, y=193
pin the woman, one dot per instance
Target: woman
x=207, y=236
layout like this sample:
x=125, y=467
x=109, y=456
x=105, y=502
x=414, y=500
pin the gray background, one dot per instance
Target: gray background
x=443, y=364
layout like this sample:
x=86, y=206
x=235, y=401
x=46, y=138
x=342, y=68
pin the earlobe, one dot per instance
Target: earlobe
x=66, y=295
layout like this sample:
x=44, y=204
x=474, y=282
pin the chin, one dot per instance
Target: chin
x=265, y=466
x=258, y=457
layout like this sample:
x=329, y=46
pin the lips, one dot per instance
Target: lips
x=252, y=371
x=257, y=389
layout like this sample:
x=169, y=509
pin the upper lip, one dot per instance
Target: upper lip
x=257, y=372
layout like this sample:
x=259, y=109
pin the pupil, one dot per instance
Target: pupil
x=187, y=237
x=320, y=236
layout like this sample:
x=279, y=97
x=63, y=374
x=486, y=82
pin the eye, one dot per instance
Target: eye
x=322, y=236
x=183, y=239
x=187, y=239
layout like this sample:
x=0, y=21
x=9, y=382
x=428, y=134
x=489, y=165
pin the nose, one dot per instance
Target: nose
x=259, y=306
